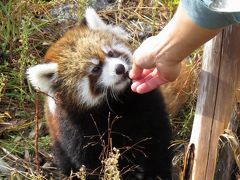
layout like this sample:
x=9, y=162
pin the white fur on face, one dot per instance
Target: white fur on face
x=85, y=95
x=95, y=61
x=109, y=78
x=106, y=48
x=39, y=76
x=121, y=48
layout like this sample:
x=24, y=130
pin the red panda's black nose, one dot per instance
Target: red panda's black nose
x=120, y=69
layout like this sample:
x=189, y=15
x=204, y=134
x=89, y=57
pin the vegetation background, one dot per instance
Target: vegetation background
x=27, y=29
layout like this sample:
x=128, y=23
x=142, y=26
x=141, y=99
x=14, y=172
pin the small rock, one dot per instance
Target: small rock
x=100, y=4
x=4, y=167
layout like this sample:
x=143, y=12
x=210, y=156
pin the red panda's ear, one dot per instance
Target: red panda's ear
x=41, y=76
x=94, y=22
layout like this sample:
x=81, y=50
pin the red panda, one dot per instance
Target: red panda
x=85, y=74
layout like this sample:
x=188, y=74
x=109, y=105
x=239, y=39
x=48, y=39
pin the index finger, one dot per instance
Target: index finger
x=148, y=83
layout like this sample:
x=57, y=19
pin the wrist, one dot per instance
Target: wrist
x=179, y=38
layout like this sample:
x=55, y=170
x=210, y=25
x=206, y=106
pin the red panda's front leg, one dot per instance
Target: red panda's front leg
x=73, y=148
x=61, y=158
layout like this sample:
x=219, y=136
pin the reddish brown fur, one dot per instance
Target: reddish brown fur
x=80, y=39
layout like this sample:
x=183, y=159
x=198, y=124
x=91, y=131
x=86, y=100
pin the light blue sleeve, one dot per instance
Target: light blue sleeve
x=200, y=13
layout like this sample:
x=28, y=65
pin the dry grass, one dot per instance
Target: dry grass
x=140, y=19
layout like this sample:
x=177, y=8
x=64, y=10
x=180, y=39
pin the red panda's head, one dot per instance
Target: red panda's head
x=86, y=63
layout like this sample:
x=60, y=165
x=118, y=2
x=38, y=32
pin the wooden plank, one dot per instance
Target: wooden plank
x=218, y=79
x=205, y=105
x=228, y=79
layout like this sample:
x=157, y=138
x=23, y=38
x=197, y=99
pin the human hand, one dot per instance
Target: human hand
x=148, y=72
x=158, y=59
x=149, y=80
x=145, y=80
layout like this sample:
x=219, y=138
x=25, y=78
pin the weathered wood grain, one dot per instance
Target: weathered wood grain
x=218, y=81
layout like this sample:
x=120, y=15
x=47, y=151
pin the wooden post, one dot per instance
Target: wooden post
x=218, y=80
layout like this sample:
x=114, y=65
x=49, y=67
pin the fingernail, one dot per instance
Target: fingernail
x=133, y=87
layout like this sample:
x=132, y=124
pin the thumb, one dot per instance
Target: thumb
x=135, y=72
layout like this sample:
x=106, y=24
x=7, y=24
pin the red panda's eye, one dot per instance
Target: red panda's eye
x=96, y=69
x=110, y=54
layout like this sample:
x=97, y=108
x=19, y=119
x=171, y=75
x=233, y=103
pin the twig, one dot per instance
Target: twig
x=100, y=136
x=36, y=136
x=136, y=144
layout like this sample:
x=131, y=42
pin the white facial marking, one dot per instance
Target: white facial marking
x=38, y=76
x=85, y=95
x=109, y=78
x=121, y=48
x=95, y=61
x=106, y=48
